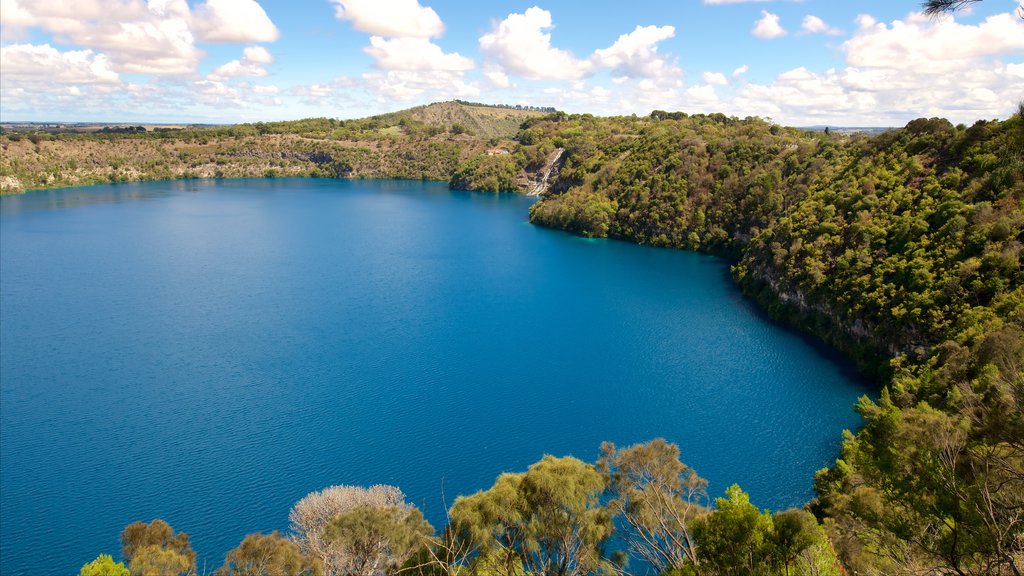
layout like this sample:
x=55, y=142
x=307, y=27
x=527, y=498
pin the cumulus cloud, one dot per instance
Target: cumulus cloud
x=740, y=71
x=153, y=38
x=414, y=54
x=768, y=26
x=252, y=63
x=962, y=66
x=396, y=18
x=241, y=95
x=922, y=44
x=714, y=78
x=44, y=63
x=635, y=55
x=497, y=77
x=405, y=85
x=521, y=44
x=814, y=25
x=233, y=21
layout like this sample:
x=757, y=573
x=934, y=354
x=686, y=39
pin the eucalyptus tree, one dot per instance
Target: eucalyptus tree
x=658, y=498
x=266, y=555
x=348, y=529
x=155, y=549
x=377, y=539
x=549, y=520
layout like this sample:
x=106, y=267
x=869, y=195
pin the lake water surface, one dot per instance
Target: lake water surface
x=210, y=352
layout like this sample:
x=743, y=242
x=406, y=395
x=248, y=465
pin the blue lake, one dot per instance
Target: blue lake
x=210, y=352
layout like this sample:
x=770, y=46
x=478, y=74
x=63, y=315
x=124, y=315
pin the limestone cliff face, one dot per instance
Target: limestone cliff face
x=819, y=315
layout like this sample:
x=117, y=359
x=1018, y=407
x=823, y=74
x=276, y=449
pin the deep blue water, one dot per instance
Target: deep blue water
x=210, y=352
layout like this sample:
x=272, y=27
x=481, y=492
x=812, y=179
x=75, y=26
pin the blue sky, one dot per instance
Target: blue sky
x=878, y=63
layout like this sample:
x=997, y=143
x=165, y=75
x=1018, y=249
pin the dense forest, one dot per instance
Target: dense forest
x=903, y=250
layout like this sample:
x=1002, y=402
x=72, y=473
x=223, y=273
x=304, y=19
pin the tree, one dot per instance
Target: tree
x=104, y=565
x=936, y=7
x=311, y=516
x=156, y=561
x=733, y=539
x=793, y=531
x=154, y=548
x=549, y=520
x=377, y=540
x=658, y=497
x=266, y=555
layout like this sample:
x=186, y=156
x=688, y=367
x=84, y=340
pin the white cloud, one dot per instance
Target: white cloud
x=406, y=85
x=13, y=14
x=396, y=18
x=233, y=21
x=45, y=64
x=414, y=54
x=520, y=44
x=251, y=64
x=635, y=55
x=768, y=26
x=814, y=25
x=962, y=68
x=920, y=44
x=740, y=71
x=257, y=55
x=497, y=77
x=152, y=38
x=714, y=78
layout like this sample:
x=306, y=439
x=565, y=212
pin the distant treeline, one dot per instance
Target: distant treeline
x=509, y=106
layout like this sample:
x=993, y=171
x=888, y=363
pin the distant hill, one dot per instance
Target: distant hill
x=482, y=121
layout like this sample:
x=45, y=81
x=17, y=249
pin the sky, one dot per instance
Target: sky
x=800, y=63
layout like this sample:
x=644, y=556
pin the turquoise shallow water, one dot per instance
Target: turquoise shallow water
x=210, y=352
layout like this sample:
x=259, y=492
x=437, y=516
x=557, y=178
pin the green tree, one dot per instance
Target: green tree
x=734, y=539
x=266, y=555
x=156, y=561
x=312, y=516
x=658, y=497
x=793, y=532
x=377, y=540
x=548, y=520
x=104, y=565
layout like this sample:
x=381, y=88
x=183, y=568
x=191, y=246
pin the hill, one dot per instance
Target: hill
x=477, y=120
x=423, y=143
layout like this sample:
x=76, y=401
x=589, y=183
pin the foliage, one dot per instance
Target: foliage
x=903, y=250
x=266, y=555
x=377, y=540
x=548, y=520
x=104, y=565
x=735, y=538
x=153, y=560
x=154, y=549
x=346, y=528
x=657, y=497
